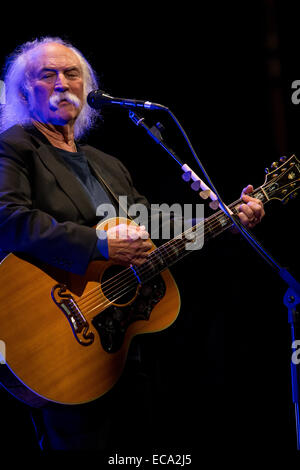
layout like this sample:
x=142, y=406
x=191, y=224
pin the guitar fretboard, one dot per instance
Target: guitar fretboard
x=177, y=248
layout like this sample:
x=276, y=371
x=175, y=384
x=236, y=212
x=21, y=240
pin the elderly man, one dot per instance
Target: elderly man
x=50, y=187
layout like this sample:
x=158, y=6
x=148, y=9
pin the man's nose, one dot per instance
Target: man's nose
x=61, y=83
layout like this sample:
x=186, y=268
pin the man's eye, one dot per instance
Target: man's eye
x=72, y=74
x=47, y=75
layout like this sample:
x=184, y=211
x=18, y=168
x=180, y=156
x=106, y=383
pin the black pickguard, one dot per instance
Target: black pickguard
x=113, y=322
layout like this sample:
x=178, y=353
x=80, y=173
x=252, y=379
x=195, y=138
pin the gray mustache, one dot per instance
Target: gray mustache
x=56, y=98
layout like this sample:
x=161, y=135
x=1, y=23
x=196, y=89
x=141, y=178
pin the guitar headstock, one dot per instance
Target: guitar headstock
x=283, y=180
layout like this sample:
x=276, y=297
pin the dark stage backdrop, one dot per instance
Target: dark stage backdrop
x=226, y=74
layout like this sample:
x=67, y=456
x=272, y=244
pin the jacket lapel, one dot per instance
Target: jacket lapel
x=65, y=178
x=69, y=183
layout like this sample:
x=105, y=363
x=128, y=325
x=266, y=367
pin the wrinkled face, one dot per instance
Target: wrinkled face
x=56, y=83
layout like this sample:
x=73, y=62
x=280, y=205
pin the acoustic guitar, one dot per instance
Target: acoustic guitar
x=67, y=336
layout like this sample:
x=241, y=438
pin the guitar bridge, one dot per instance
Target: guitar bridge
x=80, y=326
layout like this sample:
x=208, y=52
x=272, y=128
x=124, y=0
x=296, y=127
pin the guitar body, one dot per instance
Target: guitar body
x=66, y=339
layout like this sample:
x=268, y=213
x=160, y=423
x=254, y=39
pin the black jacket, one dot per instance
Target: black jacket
x=45, y=212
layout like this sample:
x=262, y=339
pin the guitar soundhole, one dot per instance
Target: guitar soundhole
x=119, y=284
x=113, y=322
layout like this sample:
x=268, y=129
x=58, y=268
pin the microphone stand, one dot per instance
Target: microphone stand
x=292, y=296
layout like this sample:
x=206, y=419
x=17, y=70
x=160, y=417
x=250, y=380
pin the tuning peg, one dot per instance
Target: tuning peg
x=214, y=204
x=196, y=185
x=186, y=175
x=267, y=171
x=282, y=159
x=205, y=194
x=274, y=165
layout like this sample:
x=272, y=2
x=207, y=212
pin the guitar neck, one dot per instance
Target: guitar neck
x=174, y=250
x=219, y=222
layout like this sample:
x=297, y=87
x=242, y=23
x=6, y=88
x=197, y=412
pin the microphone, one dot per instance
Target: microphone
x=98, y=98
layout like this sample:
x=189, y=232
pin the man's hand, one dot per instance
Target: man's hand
x=252, y=211
x=128, y=244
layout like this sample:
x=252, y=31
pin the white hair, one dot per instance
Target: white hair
x=17, y=87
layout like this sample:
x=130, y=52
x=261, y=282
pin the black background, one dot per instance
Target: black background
x=226, y=73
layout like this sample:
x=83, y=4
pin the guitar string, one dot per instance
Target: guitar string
x=155, y=258
x=158, y=254
x=108, y=302
x=130, y=285
x=154, y=254
x=105, y=302
x=127, y=273
x=125, y=288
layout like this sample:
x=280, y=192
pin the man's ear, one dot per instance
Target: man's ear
x=25, y=98
x=23, y=95
x=24, y=91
